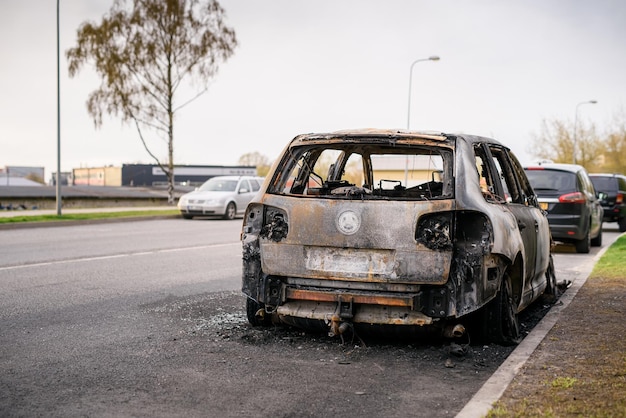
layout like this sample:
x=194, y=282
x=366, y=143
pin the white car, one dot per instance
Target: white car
x=222, y=196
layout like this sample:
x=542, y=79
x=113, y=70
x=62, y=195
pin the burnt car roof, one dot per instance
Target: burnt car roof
x=389, y=135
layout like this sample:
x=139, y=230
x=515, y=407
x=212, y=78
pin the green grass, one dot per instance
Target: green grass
x=86, y=216
x=563, y=382
x=612, y=264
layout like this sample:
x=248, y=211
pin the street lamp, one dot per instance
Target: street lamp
x=58, y=177
x=408, y=113
x=431, y=58
x=576, y=126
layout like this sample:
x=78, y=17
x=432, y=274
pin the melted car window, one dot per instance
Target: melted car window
x=367, y=172
x=490, y=176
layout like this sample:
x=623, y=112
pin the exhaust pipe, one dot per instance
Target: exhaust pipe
x=337, y=327
x=454, y=331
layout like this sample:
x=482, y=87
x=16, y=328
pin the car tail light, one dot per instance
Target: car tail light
x=435, y=231
x=619, y=199
x=577, y=197
x=439, y=231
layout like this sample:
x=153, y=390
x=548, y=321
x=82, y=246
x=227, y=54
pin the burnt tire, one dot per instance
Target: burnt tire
x=255, y=317
x=231, y=211
x=501, y=319
x=583, y=246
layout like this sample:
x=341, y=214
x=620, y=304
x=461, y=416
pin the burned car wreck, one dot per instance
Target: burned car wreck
x=396, y=229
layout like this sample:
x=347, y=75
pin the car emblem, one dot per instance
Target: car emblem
x=348, y=222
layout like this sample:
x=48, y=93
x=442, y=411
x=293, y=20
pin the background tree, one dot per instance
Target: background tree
x=556, y=142
x=615, y=158
x=145, y=53
x=257, y=159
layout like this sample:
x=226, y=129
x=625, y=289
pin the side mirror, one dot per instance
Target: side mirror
x=243, y=190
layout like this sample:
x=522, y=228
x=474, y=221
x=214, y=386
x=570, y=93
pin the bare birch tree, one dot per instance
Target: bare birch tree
x=145, y=53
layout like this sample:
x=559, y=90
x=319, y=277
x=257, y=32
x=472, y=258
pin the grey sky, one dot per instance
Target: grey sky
x=304, y=66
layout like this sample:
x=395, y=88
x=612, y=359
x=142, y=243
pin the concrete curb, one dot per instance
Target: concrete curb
x=483, y=400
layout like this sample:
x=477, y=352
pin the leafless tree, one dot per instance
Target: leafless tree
x=615, y=161
x=257, y=159
x=556, y=142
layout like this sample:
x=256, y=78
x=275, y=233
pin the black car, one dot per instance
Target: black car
x=567, y=194
x=614, y=186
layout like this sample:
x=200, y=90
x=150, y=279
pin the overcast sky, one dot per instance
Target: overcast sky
x=317, y=66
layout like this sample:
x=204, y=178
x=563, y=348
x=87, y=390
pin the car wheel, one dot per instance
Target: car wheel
x=621, y=223
x=187, y=216
x=501, y=317
x=231, y=211
x=256, y=313
x=597, y=241
x=583, y=245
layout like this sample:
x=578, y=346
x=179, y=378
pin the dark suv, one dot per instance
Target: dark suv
x=566, y=193
x=614, y=185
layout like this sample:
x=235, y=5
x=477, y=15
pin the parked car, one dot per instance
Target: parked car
x=223, y=196
x=614, y=186
x=371, y=229
x=566, y=193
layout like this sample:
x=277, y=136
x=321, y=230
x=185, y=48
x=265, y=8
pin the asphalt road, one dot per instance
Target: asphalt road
x=146, y=319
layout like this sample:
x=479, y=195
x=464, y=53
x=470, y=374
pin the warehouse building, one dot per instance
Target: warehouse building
x=150, y=175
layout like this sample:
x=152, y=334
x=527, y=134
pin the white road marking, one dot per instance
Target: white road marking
x=112, y=256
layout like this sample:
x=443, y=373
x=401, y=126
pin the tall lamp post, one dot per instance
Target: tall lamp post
x=408, y=116
x=576, y=126
x=58, y=176
x=408, y=113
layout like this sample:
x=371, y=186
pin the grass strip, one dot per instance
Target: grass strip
x=612, y=264
x=86, y=216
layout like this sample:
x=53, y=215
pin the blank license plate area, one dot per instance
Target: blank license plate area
x=378, y=262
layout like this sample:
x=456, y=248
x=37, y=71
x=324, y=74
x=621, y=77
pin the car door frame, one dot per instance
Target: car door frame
x=519, y=200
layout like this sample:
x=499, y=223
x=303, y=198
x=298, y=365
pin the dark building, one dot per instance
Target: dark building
x=149, y=175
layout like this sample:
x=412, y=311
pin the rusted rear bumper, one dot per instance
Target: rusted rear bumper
x=364, y=314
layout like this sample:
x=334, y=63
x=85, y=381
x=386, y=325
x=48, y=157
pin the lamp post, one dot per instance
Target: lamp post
x=576, y=126
x=58, y=176
x=408, y=113
x=431, y=58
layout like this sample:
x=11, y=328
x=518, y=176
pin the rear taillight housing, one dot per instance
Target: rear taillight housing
x=619, y=199
x=576, y=197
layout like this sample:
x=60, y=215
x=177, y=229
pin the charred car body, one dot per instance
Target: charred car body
x=380, y=228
